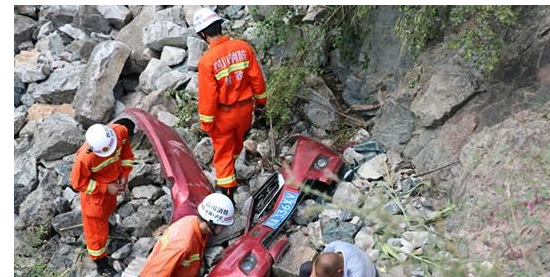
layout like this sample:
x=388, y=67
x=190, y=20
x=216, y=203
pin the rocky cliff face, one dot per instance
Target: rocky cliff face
x=76, y=65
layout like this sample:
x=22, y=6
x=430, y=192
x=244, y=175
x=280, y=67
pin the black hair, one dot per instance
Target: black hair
x=213, y=29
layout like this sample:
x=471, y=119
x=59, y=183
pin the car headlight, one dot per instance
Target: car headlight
x=249, y=263
x=321, y=162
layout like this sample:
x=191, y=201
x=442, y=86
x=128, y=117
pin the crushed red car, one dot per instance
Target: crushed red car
x=263, y=242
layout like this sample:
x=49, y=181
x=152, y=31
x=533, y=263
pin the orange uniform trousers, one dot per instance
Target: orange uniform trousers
x=227, y=135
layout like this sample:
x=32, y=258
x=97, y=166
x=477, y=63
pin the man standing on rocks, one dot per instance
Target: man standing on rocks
x=100, y=172
x=340, y=259
x=180, y=250
x=229, y=79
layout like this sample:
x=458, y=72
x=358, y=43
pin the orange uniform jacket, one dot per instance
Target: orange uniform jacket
x=179, y=252
x=228, y=73
x=90, y=176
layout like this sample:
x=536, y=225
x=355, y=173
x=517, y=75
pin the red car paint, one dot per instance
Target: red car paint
x=179, y=166
x=302, y=168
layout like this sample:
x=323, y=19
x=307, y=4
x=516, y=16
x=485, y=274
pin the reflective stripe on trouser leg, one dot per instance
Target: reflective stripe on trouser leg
x=96, y=232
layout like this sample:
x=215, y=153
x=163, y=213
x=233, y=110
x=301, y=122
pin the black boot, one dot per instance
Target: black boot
x=104, y=268
x=229, y=192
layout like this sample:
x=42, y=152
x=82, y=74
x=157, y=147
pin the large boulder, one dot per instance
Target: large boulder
x=172, y=55
x=89, y=19
x=94, y=100
x=131, y=35
x=195, y=48
x=394, y=126
x=23, y=28
x=59, y=15
x=142, y=224
x=61, y=86
x=503, y=170
x=319, y=108
x=165, y=33
x=447, y=90
x=148, y=192
x=57, y=136
x=149, y=77
x=118, y=15
x=25, y=178
x=39, y=111
x=51, y=45
x=175, y=14
x=38, y=209
x=68, y=224
x=204, y=151
x=67, y=259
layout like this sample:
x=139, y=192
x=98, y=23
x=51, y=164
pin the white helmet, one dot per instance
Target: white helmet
x=218, y=208
x=102, y=139
x=203, y=18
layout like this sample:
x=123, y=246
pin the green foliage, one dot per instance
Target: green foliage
x=32, y=263
x=479, y=30
x=186, y=104
x=284, y=84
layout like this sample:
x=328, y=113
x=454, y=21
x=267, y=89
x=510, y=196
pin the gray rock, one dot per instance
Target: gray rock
x=23, y=28
x=38, y=73
x=165, y=33
x=347, y=195
x=233, y=11
x=119, y=266
x=242, y=170
x=193, y=85
x=94, y=101
x=392, y=208
x=82, y=49
x=167, y=118
x=364, y=239
x=336, y=230
x=68, y=224
x=259, y=12
x=314, y=13
x=195, y=48
x=59, y=15
x=352, y=157
x=412, y=240
x=373, y=169
x=28, y=10
x=122, y=252
x=69, y=194
x=18, y=90
x=57, y=136
x=142, y=224
x=89, y=19
x=394, y=127
x=19, y=120
x=25, y=178
x=144, y=174
x=38, y=208
x=142, y=247
x=149, y=77
x=51, y=45
x=189, y=11
x=156, y=99
x=131, y=35
x=61, y=205
x=66, y=259
x=306, y=212
x=299, y=252
x=175, y=14
x=448, y=89
x=60, y=87
x=204, y=151
x=45, y=30
x=172, y=55
x=118, y=15
x=72, y=32
x=165, y=203
x=148, y=192
x=171, y=80
x=212, y=255
x=319, y=108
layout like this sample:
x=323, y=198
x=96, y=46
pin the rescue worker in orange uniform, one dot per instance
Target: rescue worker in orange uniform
x=100, y=172
x=179, y=251
x=230, y=81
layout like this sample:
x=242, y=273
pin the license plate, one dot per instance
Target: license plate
x=283, y=210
